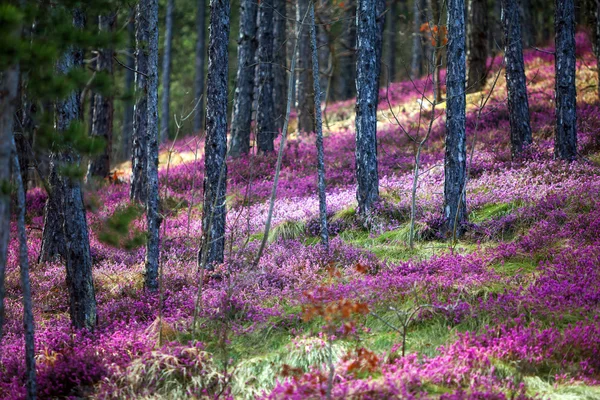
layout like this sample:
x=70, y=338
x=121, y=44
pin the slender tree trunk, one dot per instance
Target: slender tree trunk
x=477, y=45
x=366, y=106
x=129, y=88
x=319, y=132
x=322, y=11
x=265, y=116
x=53, y=237
x=279, y=62
x=345, y=81
x=9, y=82
x=166, y=73
x=416, y=69
x=215, y=177
x=497, y=33
x=28, y=323
x=436, y=14
x=102, y=115
x=518, y=104
x=565, y=146
x=392, y=33
x=140, y=124
x=381, y=15
x=455, y=157
x=528, y=31
x=305, y=98
x=244, y=92
x=150, y=10
x=200, y=57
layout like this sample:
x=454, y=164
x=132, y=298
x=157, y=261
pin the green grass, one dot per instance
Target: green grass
x=515, y=266
x=541, y=388
x=494, y=210
x=288, y=230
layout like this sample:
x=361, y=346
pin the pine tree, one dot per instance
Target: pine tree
x=477, y=45
x=265, y=113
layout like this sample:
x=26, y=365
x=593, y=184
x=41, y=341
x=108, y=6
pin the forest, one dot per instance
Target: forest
x=300, y=199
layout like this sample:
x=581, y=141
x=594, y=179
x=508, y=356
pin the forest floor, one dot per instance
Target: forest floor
x=511, y=310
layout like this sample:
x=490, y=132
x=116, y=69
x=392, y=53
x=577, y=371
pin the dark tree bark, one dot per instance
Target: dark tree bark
x=319, y=132
x=140, y=123
x=102, y=113
x=279, y=62
x=244, y=92
x=518, y=104
x=150, y=9
x=322, y=15
x=200, y=57
x=366, y=107
x=304, y=96
x=392, y=33
x=497, y=34
x=166, y=73
x=381, y=16
x=477, y=45
x=345, y=82
x=455, y=157
x=215, y=177
x=28, y=323
x=416, y=68
x=528, y=31
x=129, y=88
x=53, y=237
x=436, y=15
x=265, y=115
x=9, y=83
x=565, y=146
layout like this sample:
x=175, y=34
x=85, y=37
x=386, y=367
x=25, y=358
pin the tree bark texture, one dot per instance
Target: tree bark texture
x=244, y=92
x=366, y=106
x=381, y=16
x=129, y=88
x=304, y=96
x=518, y=104
x=477, y=45
x=215, y=177
x=455, y=155
x=392, y=33
x=140, y=123
x=565, y=146
x=265, y=115
x=102, y=114
x=436, y=15
x=345, y=81
x=319, y=133
x=279, y=62
x=150, y=8
x=166, y=73
x=199, y=68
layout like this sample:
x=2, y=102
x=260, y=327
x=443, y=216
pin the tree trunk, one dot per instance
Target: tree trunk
x=366, y=106
x=102, y=115
x=455, y=157
x=166, y=73
x=528, y=26
x=322, y=10
x=265, y=115
x=28, y=323
x=53, y=237
x=392, y=32
x=279, y=62
x=215, y=177
x=9, y=82
x=436, y=14
x=305, y=99
x=381, y=15
x=497, y=36
x=244, y=91
x=319, y=132
x=416, y=67
x=140, y=124
x=518, y=104
x=345, y=81
x=200, y=57
x=150, y=10
x=129, y=85
x=477, y=45
x=565, y=146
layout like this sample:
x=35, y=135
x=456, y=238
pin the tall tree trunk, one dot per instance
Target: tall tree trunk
x=436, y=15
x=9, y=83
x=305, y=99
x=366, y=107
x=265, y=115
x=518, y=104
x=279, y=62
x=322, y=11
x=528, y=27
x=166, y=73
x=150, y=10
x=345, y=80
x=381, y=15
x=129, y=88
x=53, y=237
x=565, y=146
x=215, y=177
x=28, y=323
x=497, y=35
x=455, y=157
x=102, y=115
x=392, y=33
x=200, y=57
x=319, y=132
x=140, y=124
x=416, y=67
x=477, y=45
x=244, y=92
